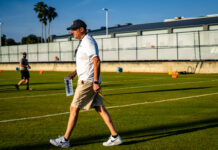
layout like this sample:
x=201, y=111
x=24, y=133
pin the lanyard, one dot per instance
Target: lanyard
x=77, y=47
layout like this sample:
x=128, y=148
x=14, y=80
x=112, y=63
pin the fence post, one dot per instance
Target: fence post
x=118, y=49
x=102, y=46
x=37, y=51
x=199, y=45
x=48, y=50
x=27, y=51
x=8, y=55
x=157, y=45
x=194, y=46
x=177, y=46
x=17, y=54
x=60, y=50
x=136, y=49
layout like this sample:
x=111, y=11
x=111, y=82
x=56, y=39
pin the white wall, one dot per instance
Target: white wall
x=188, y=29
x=213, y=27
x=174, y=46
x=155, y=32
x=149, y=67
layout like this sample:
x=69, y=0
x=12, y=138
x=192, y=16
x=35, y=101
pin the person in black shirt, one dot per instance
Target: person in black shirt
x=24, y=66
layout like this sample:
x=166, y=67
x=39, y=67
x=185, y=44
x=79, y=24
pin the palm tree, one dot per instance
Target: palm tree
x=37, y=9
x=44, y=19
x=42, y=11
x=51, y=16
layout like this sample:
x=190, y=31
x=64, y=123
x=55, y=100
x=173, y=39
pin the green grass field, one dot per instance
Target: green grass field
x=150, y=111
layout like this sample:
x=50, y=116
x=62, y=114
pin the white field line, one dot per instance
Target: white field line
x=133, y=87
x=111, y=81
x=111, y=107
x=141, y=79
x=157, y=85
x=138, y=79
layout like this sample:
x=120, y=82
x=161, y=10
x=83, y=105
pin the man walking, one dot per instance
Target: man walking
x=24, y=66
x=86, y=94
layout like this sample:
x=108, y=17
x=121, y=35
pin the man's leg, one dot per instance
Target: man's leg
x=22, y=78
x=107, y=119
x=27, y=77
x=114, y=139
x=74, y=112
x=20, y=82
x=27, y=84
x=64, y=141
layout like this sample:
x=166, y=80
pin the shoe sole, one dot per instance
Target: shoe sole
x=114, y=144
x=54, y=144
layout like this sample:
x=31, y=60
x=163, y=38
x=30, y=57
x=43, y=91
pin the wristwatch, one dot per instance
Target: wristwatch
x=95, y=82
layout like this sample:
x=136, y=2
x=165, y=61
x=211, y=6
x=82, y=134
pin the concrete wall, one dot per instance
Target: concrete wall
x=196, y=46
x=156, y=67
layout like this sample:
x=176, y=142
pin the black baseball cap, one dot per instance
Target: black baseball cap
x=77, y=24
x=24, y=53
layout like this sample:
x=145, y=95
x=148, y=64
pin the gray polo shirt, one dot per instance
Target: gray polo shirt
x=24, y=61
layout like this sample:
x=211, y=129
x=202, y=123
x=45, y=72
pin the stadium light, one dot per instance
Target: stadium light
x=106, y=12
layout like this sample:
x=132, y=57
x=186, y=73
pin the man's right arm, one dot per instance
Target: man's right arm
x=72, y=75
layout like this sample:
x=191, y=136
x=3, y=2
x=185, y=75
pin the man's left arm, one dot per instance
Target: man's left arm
x=96, y=62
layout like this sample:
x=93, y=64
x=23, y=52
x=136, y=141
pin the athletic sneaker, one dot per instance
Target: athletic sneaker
x=60, y=142
x=113, y=141
x=17, y=87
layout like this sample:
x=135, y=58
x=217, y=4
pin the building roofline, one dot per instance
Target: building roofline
x=183, y=23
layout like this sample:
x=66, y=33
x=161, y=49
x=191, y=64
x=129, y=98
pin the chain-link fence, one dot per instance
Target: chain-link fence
x=201, y=45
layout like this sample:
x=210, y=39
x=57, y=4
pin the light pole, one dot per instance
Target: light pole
x=106, y=11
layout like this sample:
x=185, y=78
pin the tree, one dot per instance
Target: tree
x=3, y=38
x=24, y=40
x=42, y=10
x=39, y=39
x=37, y=9
x=7, y=42
x=45, y=14
x=10, y=41
x=44, y=19
x=30, y=39
x=51, y=16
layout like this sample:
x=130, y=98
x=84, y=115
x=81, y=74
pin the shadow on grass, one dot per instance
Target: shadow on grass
x=11, y=87
x=50, y=89
x=36, y=83
x=151, y=91
x=133, y=136
x=111, y=85
x=166, y=134
x=34, y=89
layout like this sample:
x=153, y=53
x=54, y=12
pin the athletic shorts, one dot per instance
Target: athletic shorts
x=85, y=97
x=25, y=74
